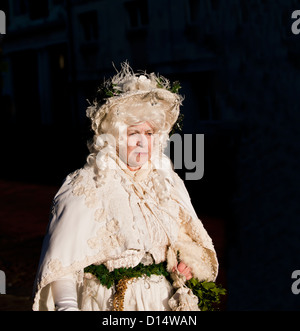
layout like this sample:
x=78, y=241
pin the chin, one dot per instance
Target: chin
x=139, y=163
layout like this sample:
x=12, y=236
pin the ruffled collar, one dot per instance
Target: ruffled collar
x=137, y=175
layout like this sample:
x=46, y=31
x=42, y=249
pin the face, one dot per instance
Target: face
x=138, y=148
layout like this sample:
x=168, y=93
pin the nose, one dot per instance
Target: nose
x=142, y=141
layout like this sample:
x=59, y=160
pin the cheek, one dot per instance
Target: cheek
x=131, y=146
x=150, y=144
x=131, y=141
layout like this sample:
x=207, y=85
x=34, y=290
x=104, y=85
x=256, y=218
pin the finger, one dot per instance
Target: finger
x=187, y=272
x=181, y=267
x=189, y=276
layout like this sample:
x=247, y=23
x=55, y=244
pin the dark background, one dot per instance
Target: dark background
x=238, y=64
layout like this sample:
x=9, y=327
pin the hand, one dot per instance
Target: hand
x=184, y=270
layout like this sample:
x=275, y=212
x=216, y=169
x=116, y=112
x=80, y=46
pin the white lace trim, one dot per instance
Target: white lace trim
x=141, y=187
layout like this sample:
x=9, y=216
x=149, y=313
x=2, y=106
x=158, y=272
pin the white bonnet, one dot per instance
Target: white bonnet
x=128, y=90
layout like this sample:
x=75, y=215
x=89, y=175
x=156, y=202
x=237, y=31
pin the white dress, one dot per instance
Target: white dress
x=132, y=217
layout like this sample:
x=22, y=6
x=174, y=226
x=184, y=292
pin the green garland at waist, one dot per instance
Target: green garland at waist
x=108, y=278
x=208, y=293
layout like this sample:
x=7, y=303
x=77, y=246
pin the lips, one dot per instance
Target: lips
x=140, y=152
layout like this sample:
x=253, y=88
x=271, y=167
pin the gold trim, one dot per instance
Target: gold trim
x=121, y=287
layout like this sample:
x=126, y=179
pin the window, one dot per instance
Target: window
x=89, y=24
x=58, y=2
x=194, y=8
x=20, y=7
x=38, y=9
x=215, y=5
x=137, y=13
x=137, y=32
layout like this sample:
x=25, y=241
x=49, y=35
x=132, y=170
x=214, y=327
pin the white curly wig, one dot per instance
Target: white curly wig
x=131, y=99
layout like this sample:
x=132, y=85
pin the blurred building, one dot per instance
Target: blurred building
x=58, y=52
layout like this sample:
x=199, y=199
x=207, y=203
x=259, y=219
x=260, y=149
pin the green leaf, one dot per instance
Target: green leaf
x=208, y=293
x=175, y=87
x=208, y=285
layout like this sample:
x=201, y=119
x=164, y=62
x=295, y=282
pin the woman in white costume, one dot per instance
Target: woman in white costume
x=124, y=221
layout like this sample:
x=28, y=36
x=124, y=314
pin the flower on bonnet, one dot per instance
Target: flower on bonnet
x=134, y=83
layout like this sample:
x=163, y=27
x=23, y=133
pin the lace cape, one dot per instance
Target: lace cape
x=90, y=225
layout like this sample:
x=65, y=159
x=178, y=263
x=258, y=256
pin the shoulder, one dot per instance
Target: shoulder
x=75, y=185
x=84, y=186
x=79, y=180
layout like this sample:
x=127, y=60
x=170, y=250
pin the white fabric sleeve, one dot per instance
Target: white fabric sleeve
x=65, y=294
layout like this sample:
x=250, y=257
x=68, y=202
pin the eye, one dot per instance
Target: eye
x=149, y=133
